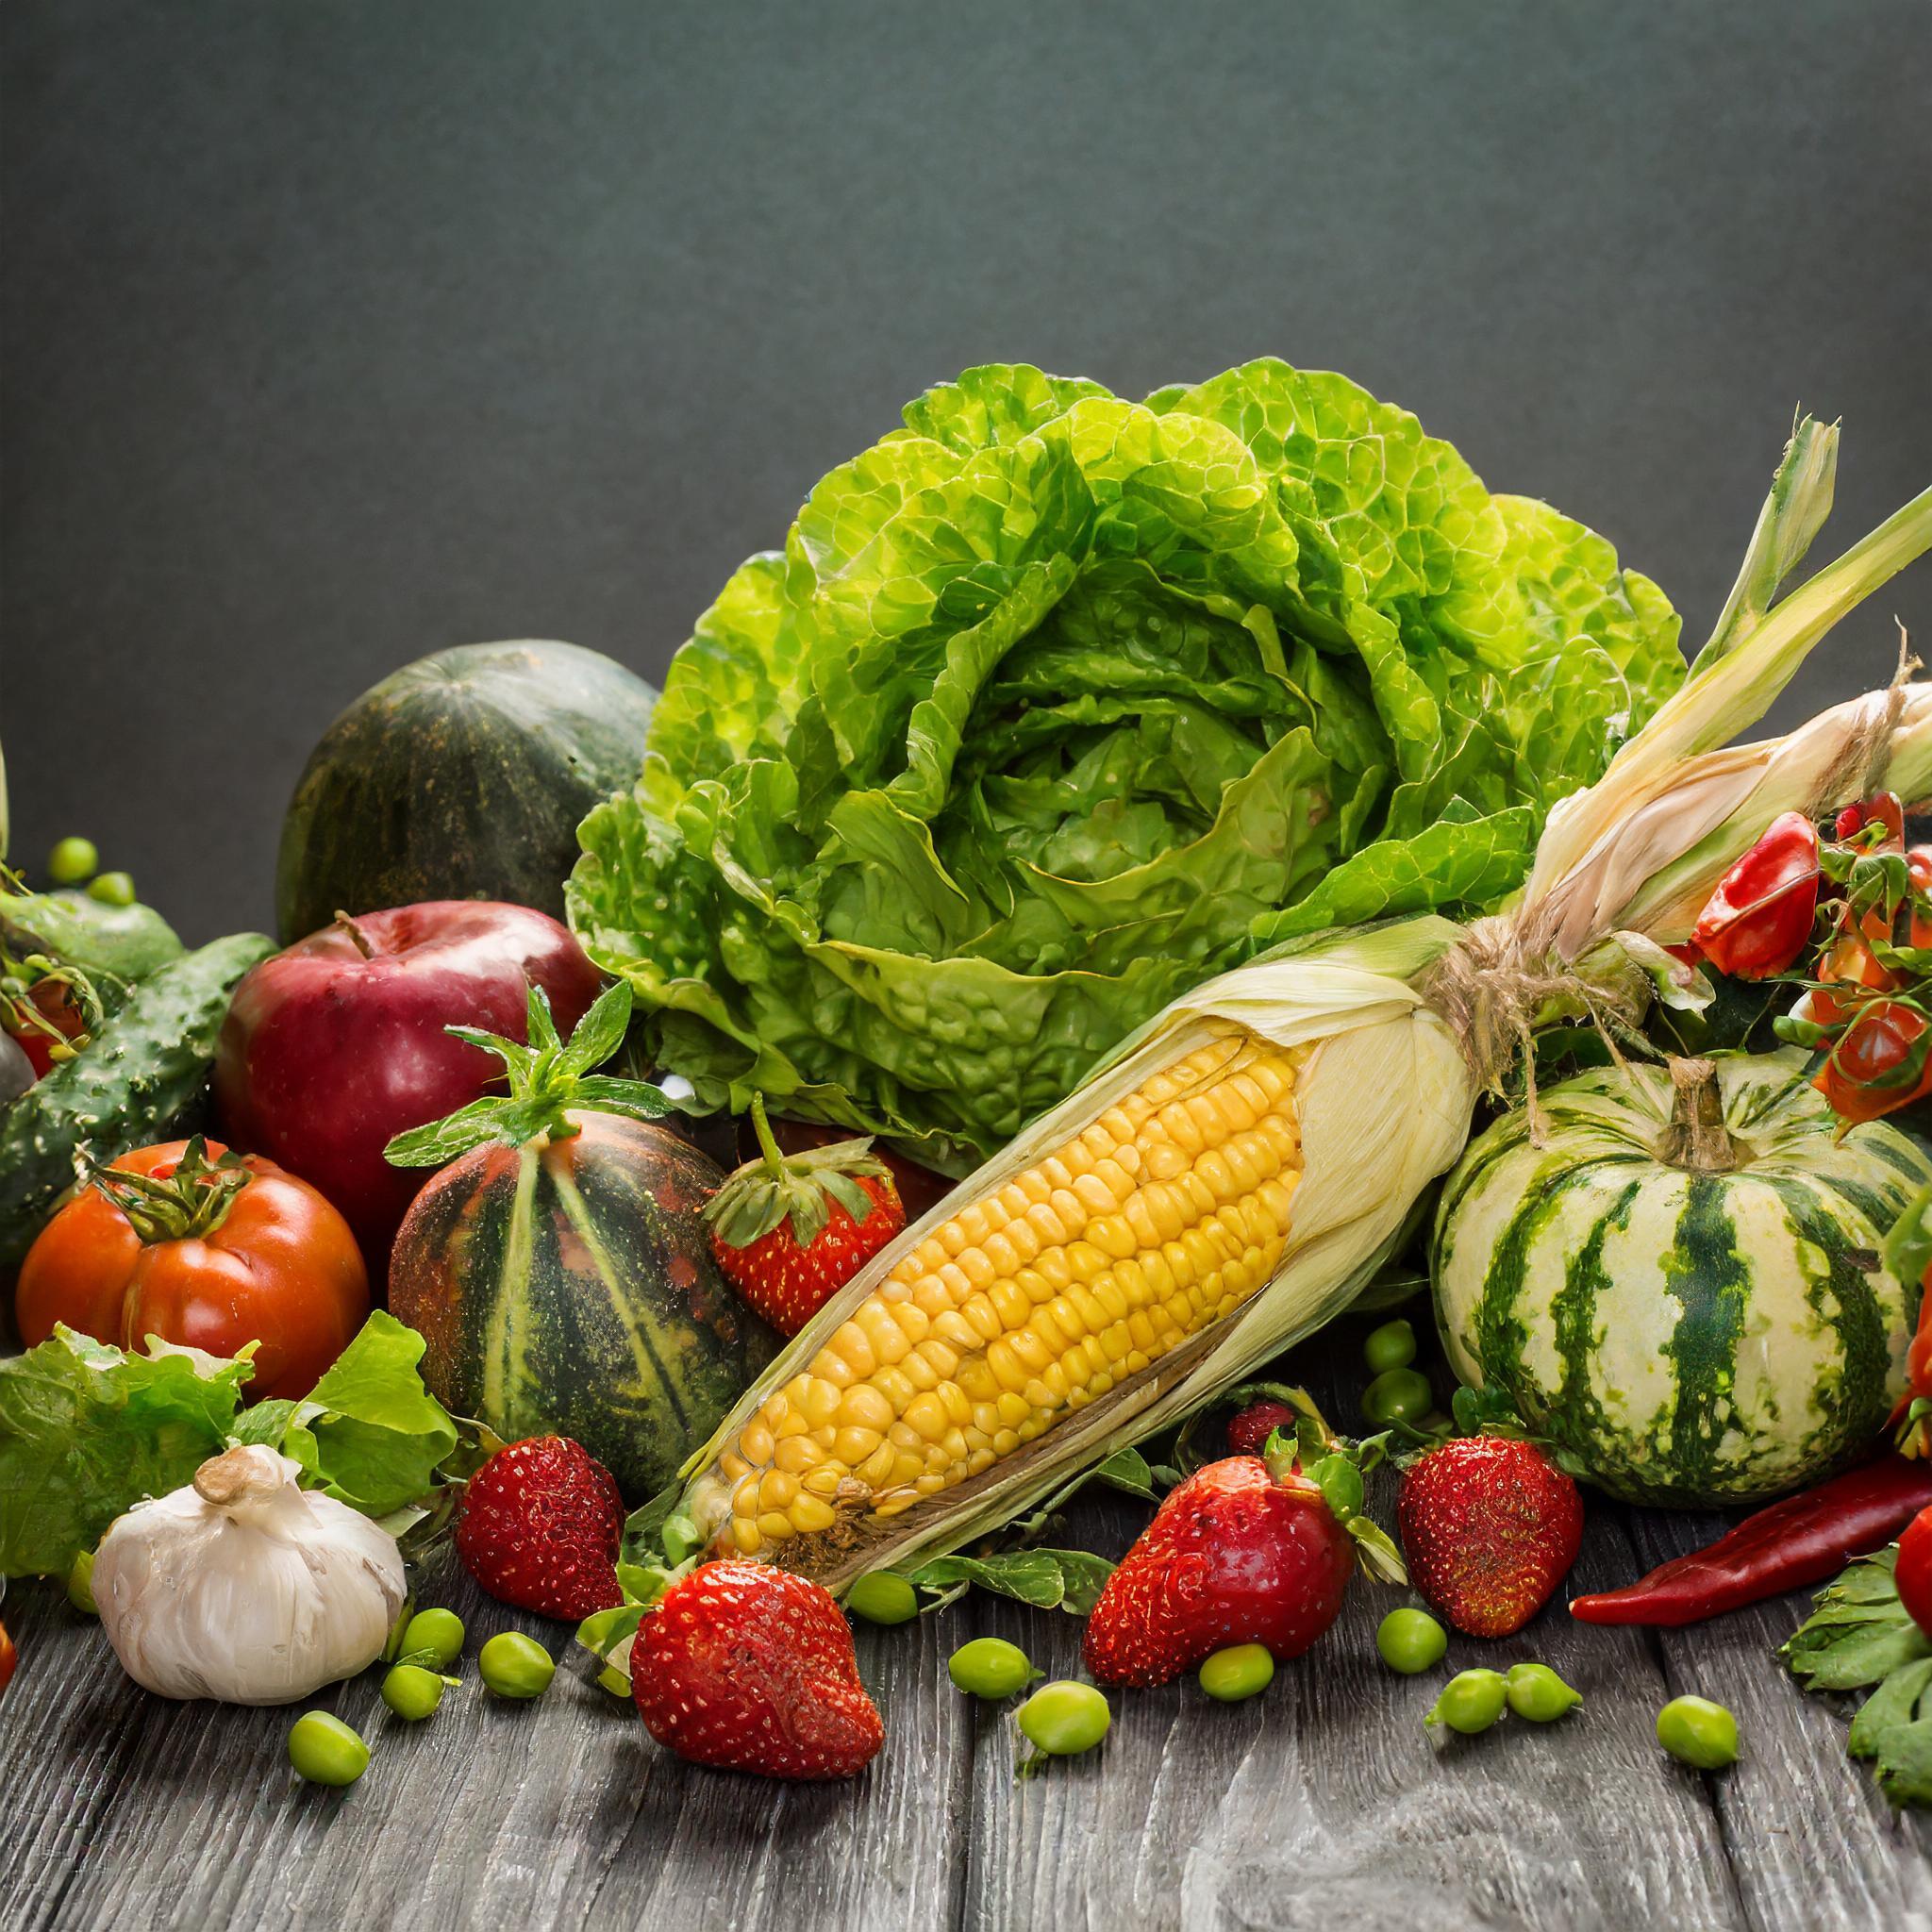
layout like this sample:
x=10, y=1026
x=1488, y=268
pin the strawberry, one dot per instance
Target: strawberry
x=748, y=1667
x=539, y=1526
x=1248, y=1432
x=7, y=1657
x=1490, y=1527
x=1236, y=1554
x=790, y=1230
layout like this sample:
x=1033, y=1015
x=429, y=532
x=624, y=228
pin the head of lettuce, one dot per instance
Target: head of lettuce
x=1055, y=704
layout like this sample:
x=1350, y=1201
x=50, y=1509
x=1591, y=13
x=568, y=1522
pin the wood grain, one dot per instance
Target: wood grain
x=1322, y=1804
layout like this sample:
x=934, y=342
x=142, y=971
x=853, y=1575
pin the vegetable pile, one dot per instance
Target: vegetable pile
x=1192, y=821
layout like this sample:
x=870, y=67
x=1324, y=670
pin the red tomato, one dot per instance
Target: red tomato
x=1913, y=1573
x=273, y=1263
x=1868, y=1074
x=1884, y=808
x=1919, y=864
x=1759, y=918
x=54, y=1006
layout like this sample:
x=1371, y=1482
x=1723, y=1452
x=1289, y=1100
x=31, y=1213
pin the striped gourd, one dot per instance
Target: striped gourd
x=566, y=1285
x=1676, y=1280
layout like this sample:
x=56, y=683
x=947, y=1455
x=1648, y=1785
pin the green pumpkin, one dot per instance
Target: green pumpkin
x=567, y=1287
x=463, y=776
x=1679, y=1282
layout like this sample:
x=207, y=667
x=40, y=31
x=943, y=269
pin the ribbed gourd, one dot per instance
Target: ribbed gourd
x=1230, y=1178
x=1676, y=1276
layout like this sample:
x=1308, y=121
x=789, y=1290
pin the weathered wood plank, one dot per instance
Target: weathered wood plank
x=1323, y=1803
x=138, y=1812
x=1810, y=1838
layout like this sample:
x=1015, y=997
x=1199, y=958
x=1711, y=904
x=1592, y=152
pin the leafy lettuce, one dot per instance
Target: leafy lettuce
x=87, y=1430
x=1055, y=703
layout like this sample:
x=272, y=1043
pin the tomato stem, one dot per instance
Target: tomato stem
x=188, y=1204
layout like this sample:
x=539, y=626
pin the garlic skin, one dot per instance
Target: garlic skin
x=245, y=1588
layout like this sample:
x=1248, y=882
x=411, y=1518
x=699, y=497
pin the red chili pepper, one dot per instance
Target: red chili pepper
x=1803, y=1540
x=1759, y=918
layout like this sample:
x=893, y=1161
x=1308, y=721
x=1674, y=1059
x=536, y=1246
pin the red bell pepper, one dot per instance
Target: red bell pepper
x=1804, y=1539
x=1758, y=920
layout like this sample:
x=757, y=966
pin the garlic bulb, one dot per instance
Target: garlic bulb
x=244, y=1587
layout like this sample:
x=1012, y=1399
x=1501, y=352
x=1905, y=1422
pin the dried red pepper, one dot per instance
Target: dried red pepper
x=1758, y=920
x=1804, y=1539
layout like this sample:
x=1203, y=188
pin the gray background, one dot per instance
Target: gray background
x=335, y=332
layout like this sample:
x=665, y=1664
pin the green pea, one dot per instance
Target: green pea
x=1472, y=1701
x=1064, y=1719
x=1412, y=1642
x=883, y=1598
x=72, y=861
x=326, y=1750
x=433, y=1639
x=1698, y=1732
x=1397, y=1396
x=112, y=889
x=411, y=1691
x=80, y=1584
x=1536, y=1692
x=1391, y=1346
x=1240, y=1671
x=990, y=1667
x=513, y=1665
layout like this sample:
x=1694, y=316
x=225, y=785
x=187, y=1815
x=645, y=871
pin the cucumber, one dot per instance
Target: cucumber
x=147, y=1065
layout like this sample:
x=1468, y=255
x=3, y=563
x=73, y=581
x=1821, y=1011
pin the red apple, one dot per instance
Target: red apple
x=336, y=1045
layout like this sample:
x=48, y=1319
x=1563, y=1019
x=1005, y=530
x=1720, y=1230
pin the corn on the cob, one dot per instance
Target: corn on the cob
x=1163, y=1217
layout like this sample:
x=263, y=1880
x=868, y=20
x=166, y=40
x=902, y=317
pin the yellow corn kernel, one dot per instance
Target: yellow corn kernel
x=810, y=1514
x=865, y=1407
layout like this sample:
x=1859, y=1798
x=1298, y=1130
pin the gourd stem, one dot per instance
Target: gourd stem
x=1697, y=1139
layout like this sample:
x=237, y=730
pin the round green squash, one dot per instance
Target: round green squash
x=1679, y=1282
x=463, y=776
x=567, y=1286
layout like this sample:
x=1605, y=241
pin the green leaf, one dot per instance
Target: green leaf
x=1895, y=1702
x=1069, y=1581
x=547, y=1080
x=370, y=1434
x=600, y=1032
x=86, y=1431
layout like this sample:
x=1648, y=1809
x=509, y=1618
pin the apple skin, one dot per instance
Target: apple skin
x=337, y=1043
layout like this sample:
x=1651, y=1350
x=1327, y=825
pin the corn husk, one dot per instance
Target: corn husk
x=1410, y=1021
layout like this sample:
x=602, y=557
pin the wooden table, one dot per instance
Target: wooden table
x=1320, y=1805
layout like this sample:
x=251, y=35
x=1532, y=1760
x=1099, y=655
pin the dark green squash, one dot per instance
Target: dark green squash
x=568, y=1286
x=463, y=776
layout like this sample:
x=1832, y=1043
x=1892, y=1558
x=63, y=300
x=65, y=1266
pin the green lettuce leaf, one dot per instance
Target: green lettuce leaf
x=370, y=1434
x=88, y=1430
x=85, y=1430
x=1055, y=704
